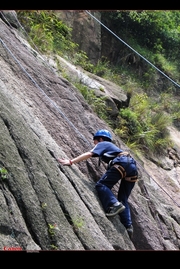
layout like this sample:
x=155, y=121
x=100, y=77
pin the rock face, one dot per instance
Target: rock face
x=86, y=32
x=45, y=206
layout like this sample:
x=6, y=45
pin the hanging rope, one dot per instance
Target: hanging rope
x=133, y=49
x=158, y=185
x=47, y=97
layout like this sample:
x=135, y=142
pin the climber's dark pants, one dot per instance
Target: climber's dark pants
x=107, y=198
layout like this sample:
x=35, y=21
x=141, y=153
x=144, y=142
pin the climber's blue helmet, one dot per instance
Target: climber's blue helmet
x=104, y=134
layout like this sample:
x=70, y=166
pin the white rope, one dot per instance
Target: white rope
x=49, y=99
x=133, y=49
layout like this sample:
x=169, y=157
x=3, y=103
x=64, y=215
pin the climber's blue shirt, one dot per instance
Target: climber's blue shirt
x=106, y=150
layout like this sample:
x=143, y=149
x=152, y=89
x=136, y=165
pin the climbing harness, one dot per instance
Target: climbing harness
x=121, y=169
x=123, y=173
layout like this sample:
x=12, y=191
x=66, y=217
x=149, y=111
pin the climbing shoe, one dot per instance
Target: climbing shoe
x=130, y=231
x=114, y=210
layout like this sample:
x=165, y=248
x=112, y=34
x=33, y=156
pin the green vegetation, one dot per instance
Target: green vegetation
x=44, y=206
x=78, y=223
x=98, y=104
x=156, y=30
x=51, y=228
x=47, y=32
x=153, y=34
x=3, y=173
x=142, y=127
x=53, y=247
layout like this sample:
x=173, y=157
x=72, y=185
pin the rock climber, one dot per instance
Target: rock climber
x=120, y=166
